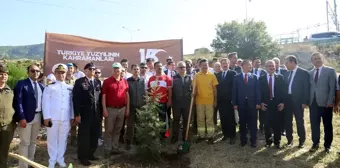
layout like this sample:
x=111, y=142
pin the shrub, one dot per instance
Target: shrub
x=148, y=131
x=15, y=73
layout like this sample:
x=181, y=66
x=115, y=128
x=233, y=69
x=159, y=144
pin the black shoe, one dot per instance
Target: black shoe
x=283, y=133
x=328, y=150
x=243, y=144
x=232, y=141
x=253, y=145
x=268, y=144
x=85, y=162
x=173, y=140
x=127, y=146
x=301, y=145
x=93, y=158
x=224, y=138
x=278, y=146
x=314, y=148
x=289, y=144
x=115, y=152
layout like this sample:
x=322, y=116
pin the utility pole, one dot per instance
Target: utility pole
x=130, y=31
x=336, y=16
x=327, y=15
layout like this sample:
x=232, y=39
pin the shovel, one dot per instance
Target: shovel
x=184, y=147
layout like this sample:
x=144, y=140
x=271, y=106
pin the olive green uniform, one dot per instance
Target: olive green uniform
x=7, y=125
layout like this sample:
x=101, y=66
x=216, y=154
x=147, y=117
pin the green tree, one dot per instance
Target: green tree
x=248, y=38
x=202, y=51
x=15, y=73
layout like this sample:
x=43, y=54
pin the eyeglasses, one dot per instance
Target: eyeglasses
x=92, y=69
x=144, y=67
x=182, y=67
x=97, y=72
x=136, y=69
x=34, y=71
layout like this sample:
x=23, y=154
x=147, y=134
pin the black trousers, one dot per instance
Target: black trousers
x=227, y=117
x=162, y=116
x=316, y=113
x=291, y=108
x=262, y=119
x=248, y=120
x=272, y=124
x=282, y=121
x=122, y=131
x=88, y=135
x=177, y=113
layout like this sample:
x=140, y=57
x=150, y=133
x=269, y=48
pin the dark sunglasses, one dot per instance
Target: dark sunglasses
x=97, y=72
x=92, y=69
x=34, y=71
x=144, y=67
x=182, y=67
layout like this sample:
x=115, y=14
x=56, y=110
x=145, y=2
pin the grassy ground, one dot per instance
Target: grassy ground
x=221, y=154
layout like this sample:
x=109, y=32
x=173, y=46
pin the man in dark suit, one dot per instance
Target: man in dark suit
x=181, y=96
x=322, y=91
x=224, y=97
x=27, y=106
x=171, y=72
x=297, y=88
x=88, y=113
x=256, y=63
x=272, y=96
x=233, y=62
x=247, y=100
x=280, y=71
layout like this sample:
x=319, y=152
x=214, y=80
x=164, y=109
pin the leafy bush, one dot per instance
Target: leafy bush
x=15, y=73
x=148, y=130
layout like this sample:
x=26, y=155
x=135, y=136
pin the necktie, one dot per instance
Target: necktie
x=277, y=71
x=256, y=71
x=290, y=77
x=224, y=73
x=270, y=87
x=245, y=78
x=316, y=78
x=36, y=93
x=91, y=82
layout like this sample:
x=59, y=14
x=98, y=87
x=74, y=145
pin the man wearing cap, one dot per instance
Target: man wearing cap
x=78, y=74
x=27, y=106
x=88, y=113
x=115, y=103
x=7, y=124
x=58, y=115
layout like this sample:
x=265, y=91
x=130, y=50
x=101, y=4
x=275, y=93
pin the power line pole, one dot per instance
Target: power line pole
x=336, y=16
x=327, y=13
x=130, y=31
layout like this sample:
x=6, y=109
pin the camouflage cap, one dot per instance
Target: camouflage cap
x=3, y=68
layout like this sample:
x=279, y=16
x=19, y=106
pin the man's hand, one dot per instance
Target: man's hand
x=168, y=104
x=304, y=106
x=258, y=107
x=71, y=122
x=78, y=119
x=23, y=123
x=215, y=104
x=336, y=108
x=235, y=108
x=127, y=112
x=46, y=121
x=329, y=106
x=105, y=113
x=264, y=106
x=281, y=106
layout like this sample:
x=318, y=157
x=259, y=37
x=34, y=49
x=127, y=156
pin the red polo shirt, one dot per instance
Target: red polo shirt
x=159, y=86
x=115, y=92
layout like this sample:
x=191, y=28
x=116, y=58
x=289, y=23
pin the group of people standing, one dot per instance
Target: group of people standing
x=239, y=90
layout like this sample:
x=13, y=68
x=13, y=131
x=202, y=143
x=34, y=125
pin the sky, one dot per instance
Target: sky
x=23, y=22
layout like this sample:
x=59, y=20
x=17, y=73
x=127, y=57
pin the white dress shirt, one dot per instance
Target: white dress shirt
x=39, y=95
x=224, y=73
x=57, y=102
x=171, y=73
x=291, y=81
x=257, y=73
x=273, y=81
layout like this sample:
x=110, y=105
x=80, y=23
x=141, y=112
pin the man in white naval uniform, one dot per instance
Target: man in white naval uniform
x=58, y=115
